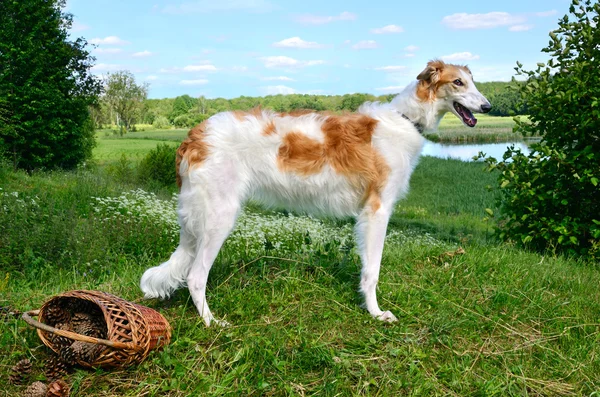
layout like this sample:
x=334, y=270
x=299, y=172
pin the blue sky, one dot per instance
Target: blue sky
x=229, y=48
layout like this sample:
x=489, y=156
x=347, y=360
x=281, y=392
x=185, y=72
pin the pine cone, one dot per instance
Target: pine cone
x=55, y=314
x=55, y=368
x=89, y=325
x=68, y=355
x=58, y=388
x=19, y=372
x=86, y=352
x=36, y=389
x=60, y=342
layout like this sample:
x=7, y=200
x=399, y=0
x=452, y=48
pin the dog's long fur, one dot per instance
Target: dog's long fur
x=353, y=164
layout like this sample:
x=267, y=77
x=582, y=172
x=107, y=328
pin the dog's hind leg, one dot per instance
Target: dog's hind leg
x=161, y=281
x=220, y=220
x=371, y=228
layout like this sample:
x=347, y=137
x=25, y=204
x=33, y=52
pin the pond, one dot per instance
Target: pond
x=465, y=152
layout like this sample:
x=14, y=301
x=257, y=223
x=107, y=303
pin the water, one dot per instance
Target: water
x=465, y=152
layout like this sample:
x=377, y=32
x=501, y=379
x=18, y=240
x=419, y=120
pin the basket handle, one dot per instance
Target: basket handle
x=27, y=316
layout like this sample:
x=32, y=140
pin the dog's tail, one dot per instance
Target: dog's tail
x=161, y=281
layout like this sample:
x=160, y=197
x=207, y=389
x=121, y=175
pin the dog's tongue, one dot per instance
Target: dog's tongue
x=466, y=114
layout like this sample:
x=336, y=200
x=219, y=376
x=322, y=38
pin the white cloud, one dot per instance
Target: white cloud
x=277, y=78
x=297, y=42
x=240, y=68
x=460, y=56
x=409, y=55
x=200, y=68
x=283, y=62
x=109, y=40
x=193, y=82
x=277, y=89
x=365, y=45
x=108, y=50
x=520, y=28
x=391, y=88
x=310, y=19
x=205, y=6
x=152, y=77
x=411, y=48
x=142, y=54
x=388, y=29
x=395, y=68
x=482, y=21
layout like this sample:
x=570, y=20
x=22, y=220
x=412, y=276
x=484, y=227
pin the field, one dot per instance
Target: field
x=476, y=316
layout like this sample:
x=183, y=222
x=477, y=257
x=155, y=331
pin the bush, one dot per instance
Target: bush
x=47, y=87
x=161, y=123
x=158, y=167
x=550, y=198
x=189, y=120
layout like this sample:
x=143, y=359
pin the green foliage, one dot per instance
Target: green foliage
x=158, y=167
x=189, y=120
x=125, y=98
x=504, y=97
x=161, y=123
x=551, y=197
x=182, y=105
x=45, y=85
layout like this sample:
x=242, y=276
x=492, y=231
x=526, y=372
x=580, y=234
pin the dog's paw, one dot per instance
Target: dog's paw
x=387, y=316
x=218, y=323
x=221, y=323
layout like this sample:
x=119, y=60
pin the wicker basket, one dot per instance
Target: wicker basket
x=132, y=330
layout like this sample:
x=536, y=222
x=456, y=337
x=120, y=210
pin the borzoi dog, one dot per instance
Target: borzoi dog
x=326, y=164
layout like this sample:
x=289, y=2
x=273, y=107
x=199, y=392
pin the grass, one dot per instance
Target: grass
x=476, y=317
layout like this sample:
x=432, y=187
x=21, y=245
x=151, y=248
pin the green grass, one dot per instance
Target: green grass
x=475, y=317
x=488, y=129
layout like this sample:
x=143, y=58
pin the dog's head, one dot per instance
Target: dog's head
x=453, y=90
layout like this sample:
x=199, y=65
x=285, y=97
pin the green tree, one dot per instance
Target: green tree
x=182, y=105
x=551, y=197
x=125, y=98
x=45, y=85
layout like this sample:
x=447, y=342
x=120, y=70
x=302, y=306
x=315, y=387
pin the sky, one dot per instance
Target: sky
x=230, y=48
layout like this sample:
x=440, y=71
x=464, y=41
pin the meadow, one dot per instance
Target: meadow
x=475, y=316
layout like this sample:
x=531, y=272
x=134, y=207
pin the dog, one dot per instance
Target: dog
x=324, y=164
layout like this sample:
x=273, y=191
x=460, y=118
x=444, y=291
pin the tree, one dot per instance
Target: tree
x=551, y=197
x=45, y=85
x=182, y=106
x=124, y=97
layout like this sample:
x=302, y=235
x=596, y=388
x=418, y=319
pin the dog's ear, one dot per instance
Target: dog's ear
x=431, y=74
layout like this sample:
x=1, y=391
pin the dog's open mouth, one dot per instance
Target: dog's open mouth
x=465, y=114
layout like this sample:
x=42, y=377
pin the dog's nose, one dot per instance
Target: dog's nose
x=485, y=108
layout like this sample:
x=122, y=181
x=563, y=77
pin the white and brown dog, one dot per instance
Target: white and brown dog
x=336, y=165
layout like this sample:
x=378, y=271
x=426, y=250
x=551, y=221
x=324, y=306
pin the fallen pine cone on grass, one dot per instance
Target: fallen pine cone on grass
x=36, y=389
x=19, y=372
x=58, y=388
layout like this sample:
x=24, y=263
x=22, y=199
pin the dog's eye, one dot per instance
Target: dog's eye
x=458, y=82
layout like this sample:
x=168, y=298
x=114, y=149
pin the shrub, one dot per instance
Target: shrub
x=161, y=123
x=189, y=120
x=550, y=198
x=46, y=85
x=158, y=167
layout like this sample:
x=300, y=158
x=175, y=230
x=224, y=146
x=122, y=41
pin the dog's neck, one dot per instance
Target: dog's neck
x=424, y=115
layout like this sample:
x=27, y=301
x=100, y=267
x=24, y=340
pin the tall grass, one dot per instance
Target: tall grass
x=475, y=317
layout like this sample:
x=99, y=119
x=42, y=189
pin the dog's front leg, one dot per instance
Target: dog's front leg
x=370, y=230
